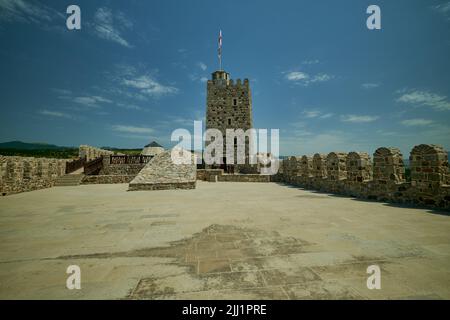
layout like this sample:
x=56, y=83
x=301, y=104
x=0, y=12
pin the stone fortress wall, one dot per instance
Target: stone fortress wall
x=383, y=179
x=109, y=173
x=92, y=152
x=120, y=169
x=20, y=174
x=218, y=175
x=114, y=173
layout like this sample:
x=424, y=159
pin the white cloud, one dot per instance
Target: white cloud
x=425, y=98
x=136, y=137
x=311, y=113
x=326, y=115
x=310, y=62
x=110, y=26
x=358, y=118
x=298, y=124
x=417, y=122
x=149, y=86
x=202, y=66
x=305, y=79
x=321, y=77
x=443, y=8
x=123, y=20
x=27, y=12
x=370, y=85
x=196, y=77
x=304, y=143
x=126, y=93
x=129, y=106
x=56, y=114
x=315, y=113
x=141, y=82
x=132, y=129
x=296, y=76
x=301, y=126
x=64, y=92
x=91, y=101
x=301, y=133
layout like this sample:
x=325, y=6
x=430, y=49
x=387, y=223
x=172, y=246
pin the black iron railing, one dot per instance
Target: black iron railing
x=93, y=167
x=126, y=159
x=75, y=165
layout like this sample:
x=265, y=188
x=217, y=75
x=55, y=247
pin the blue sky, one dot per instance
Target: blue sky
x=137, y=69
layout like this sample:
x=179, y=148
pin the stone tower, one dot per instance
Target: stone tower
x=229, y=106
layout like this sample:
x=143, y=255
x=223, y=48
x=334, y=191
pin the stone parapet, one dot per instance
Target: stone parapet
x=120, y=169
x=205, y=174
x=354, y=174
x=20, y=174
x=92, y=153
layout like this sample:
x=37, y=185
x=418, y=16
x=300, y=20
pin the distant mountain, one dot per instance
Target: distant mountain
x=118, y=149
x=19, y=145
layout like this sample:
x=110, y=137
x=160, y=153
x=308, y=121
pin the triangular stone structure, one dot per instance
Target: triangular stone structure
x=162, y=173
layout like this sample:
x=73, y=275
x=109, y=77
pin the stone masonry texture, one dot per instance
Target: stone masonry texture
x=354, y=174
x=229, y=106
x=20, y=174
x=91, y=152
x=162, y=173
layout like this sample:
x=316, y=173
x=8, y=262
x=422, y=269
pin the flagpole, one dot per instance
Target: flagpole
x=220, y=50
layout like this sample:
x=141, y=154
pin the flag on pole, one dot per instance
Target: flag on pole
x=220, y=49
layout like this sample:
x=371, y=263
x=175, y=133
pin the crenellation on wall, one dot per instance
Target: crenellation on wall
x=359, y=167
x=354, y=174
x=29, y=168
x=3, y=165
x=92, y=153
x=429, y=165
x=42, y=169
x=336, y=163
x=306, y=167
x=319, y=166
x=292, y=168
x=20, y=174
x=429, y=174
x=388, y=166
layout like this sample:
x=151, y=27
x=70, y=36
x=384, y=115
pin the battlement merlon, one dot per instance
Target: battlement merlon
x=222, y=78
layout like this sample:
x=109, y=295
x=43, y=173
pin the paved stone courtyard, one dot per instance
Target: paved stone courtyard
x=222, y=240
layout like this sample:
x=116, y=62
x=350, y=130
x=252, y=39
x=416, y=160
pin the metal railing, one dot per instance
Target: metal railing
x=75, y=165
x=126, y=159
x=93, y=167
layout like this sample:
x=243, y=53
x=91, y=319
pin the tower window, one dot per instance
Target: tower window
x=235, y=101
x=229, y=122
